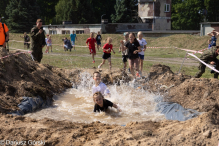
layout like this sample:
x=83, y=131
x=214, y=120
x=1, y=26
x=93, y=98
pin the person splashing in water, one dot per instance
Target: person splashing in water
x=102, y=104
x=99, y=86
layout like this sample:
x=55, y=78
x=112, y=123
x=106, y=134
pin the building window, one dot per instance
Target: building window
x=66, y=32
x=167, y=8
x=52, y=32
x=79, y=31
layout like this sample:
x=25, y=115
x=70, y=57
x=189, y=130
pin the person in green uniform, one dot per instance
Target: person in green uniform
x=37, y=41
x=210, y=57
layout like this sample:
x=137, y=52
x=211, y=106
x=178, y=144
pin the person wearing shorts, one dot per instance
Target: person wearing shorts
x=73, y=37
x=49, y=44
x=124, y=53
x=107, y=48
x=133, y=47
x=91, y=45
x=143, y=44
x=98, y=39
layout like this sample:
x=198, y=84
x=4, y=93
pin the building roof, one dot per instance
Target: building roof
x=74, y=25
x=209, y=23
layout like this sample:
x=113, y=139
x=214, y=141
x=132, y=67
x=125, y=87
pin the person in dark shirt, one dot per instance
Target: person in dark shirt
x=67, y=44
x=133, y=47
x=102, y=104
x=98, y=39
x=26, y=40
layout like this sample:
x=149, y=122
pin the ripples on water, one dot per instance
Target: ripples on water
x=77, y=105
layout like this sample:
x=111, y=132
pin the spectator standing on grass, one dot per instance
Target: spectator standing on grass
x=37, y=40
x=67, y=45
x=133, y=49
x=143, y=44
x=4, y=34
x=124, y=53
x=214, y=34
x=26, y=40
x=98, y=39
x=73, y=37
x=107, y=48
x=91, y=45
x=49, y=44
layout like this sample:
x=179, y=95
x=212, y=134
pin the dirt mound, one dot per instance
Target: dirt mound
x=199, y=94
x=202, y=130
x=162, y=75
x=20, y=76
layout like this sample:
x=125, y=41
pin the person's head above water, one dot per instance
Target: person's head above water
x=98, y=98
x=97, y=77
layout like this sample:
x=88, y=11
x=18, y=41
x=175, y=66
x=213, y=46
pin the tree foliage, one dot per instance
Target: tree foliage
x=212, y=10
x=187, y=14
x=124, y=10
x=47, y=9
x=3, y=6
x=22, y=15
x=75, y=10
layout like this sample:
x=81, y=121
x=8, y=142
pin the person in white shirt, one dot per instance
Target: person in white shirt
x=143, y=44
x=99, y=86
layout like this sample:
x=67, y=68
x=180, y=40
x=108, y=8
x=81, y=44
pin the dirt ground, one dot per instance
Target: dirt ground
x=20, y=76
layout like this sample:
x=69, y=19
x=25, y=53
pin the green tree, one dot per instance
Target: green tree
x=212, y=10
x=124, y=10
x=187, y=14
x=47, y=8
x=103, y=7
x=22, y=15
x=77, y=11
x=3, y=6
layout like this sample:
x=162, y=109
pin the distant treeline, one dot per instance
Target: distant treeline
x=20, y=15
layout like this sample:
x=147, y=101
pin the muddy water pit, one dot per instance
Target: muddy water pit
x=76, y=105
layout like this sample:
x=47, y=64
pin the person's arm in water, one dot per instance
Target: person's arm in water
x=115, y=106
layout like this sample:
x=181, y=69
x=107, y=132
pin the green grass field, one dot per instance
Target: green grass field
x=82, y=59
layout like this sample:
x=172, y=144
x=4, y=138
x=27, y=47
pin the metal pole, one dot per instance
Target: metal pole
x=101, y=22
x=182, y=62
x=153, y=16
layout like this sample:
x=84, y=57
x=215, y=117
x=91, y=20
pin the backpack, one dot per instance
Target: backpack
x=4, y=30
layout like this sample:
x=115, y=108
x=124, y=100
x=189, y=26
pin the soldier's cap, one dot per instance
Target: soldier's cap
x=39, y=20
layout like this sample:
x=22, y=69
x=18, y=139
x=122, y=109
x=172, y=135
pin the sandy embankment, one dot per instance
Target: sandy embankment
x=20, y=76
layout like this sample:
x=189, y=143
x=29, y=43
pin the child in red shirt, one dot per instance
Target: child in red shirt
x=91, y=40
x=107, y=48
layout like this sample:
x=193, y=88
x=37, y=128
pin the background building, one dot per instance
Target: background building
x=69, y=28
x=206, y=27
x=155, y=15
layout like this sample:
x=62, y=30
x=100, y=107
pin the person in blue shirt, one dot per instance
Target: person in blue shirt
x=214, y=34
x=73, y=37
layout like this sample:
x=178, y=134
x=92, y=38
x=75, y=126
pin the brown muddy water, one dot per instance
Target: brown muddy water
x=76, y=105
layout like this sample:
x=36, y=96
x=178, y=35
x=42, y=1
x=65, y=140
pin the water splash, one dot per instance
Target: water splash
x=77, y=104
